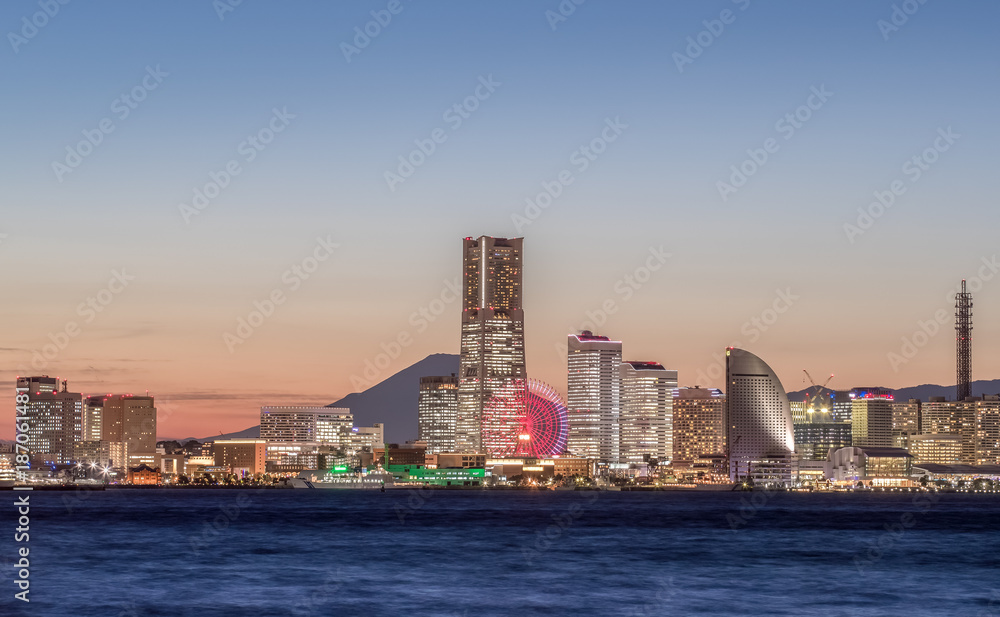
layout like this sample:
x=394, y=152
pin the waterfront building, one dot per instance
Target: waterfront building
x=143, y=474
x=322, y=425
x=593, y=396
x=399, y=455
x=646, y=419
x=699, y=425
x=941, y=449
x=364, y=439
x=130, y=420
x=53, y=417
x=873, y=466
x=988, y=431
x=871, y=417
x=759, y=429
x=291, y=457
x=941, y=417
x=464, y=460
x=437, y=413
x=243, y=457
x=492, y=340
x=814, y=440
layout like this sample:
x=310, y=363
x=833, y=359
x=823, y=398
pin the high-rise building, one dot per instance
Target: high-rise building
x=593, y=396
x=437, y=412
x=905, y=421
x=814, y=440
x=988, y=431
x=699, y=423
x=290, y=423
x=93, y=408
x=799, y=415
x=53, y=418
x=759, y=431
x=130, y=420
x=871, y=417
x=365, y=439
x=243, y=457
x=941, y=417
x=646, y=420
x=842, y=406
x=492, y=342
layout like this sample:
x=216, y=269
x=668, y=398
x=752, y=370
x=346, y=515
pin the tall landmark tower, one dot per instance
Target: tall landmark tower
x=963, y=341
x=492, y=344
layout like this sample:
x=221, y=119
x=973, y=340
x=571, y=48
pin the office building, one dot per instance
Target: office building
x=759, y=429
x=53, y=417
x=364, y=439
x=842, y=406
x=437, y=413
x=871, y=417
x=321, y=425
x=938, y=449
x=988, y=431
x=593, y=396
x=699, y=425
x=799, y=415
x=646, y=419
x=130, y=420
x=492, y=340
x=90, y=425
x=814, y=440
x=905, y=422
x=243, y=457
x=941, y=417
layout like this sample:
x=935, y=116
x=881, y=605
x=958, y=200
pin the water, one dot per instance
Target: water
x=455, y=553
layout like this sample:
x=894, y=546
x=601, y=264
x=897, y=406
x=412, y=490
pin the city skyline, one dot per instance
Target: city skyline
x=641, y=229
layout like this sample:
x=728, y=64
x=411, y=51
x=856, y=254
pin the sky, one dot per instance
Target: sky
x=808, y=181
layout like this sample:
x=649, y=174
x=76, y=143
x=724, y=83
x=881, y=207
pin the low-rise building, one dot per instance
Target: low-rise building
x=940, y=449
x=873, y=466
x=144, y=474
x=243, y=457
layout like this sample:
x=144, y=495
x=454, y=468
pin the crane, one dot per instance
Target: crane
x=813, y=402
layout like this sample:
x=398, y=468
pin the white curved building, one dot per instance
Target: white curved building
x=759, y=430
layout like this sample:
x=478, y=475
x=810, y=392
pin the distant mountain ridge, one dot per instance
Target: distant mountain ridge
x=922, y=392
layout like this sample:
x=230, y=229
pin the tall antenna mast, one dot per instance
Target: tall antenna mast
x=963, y=342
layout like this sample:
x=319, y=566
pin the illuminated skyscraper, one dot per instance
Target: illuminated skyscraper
x=871, y=417
x=940, y=417
x=492, y=342
x=302, y=424
x=130, y=420
x=699, y=425
x=437, y=411
x=760, y=436
x=905, y=422
x=53, y=417
x=646, y=420
x=593, y=396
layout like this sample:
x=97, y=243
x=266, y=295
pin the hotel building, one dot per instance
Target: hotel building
x=871, y=417
x=321, y=425
x=593, y=396
x=53, y=417
x=492, y=341
x=758, y=421
x=437, y=412
x=646, y=420
x=699, y=425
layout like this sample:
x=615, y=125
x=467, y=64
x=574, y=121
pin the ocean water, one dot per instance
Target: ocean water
x=221, y=553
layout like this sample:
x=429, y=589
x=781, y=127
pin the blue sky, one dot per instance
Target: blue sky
x=655, y=186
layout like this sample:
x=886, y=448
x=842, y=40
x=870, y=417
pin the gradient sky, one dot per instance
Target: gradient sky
x=653, y=188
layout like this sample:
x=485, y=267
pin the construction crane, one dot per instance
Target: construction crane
x=813, y=401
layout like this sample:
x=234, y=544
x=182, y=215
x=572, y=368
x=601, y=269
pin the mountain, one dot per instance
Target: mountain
x=394, y=400
x=923, y=392
x=248, y=433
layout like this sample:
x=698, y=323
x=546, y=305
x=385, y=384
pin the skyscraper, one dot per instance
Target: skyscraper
x=52, y=416
x=130, y=420
x=593, y=396
x=759, y=430
x=492, y=341
x=871, y=417
x=646, y=420
x=437, y=411
x=699, y=425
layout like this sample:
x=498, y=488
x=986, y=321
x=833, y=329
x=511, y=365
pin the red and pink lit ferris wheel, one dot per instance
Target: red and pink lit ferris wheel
x=525, y=419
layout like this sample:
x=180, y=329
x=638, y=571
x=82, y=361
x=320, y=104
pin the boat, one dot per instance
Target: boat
x=313, y=478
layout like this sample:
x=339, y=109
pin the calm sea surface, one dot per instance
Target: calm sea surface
x=215, y=553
